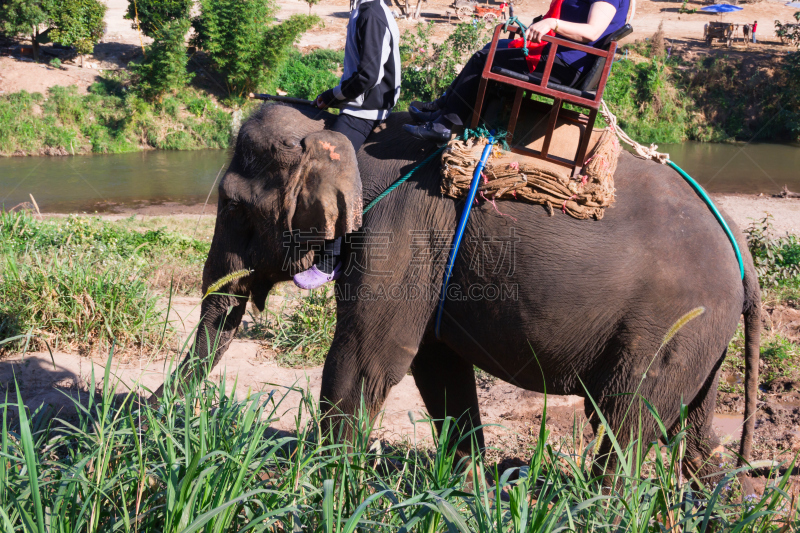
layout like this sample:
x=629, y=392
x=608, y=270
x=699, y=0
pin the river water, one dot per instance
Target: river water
x=112, y=182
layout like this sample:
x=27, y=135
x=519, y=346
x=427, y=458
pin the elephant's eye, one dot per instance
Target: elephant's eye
x=230, y=204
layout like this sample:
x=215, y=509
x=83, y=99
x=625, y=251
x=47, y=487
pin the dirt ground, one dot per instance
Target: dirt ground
x=121, y=42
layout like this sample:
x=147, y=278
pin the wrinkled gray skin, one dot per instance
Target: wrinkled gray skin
x=594, y=299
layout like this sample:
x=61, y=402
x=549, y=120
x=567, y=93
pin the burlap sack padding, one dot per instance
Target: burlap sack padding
x=509, y=176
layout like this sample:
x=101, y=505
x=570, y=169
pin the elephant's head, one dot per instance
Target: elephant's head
x=288, y=176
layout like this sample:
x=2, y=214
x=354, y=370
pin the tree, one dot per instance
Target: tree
x=243, y=41
x=163, y=68
x=153, y=15
x=311, y=3
x=789, y=33
x=77, y=23
x=24, y=17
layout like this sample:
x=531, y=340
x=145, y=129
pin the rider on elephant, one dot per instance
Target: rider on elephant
x=583, y=21
x=369, y=88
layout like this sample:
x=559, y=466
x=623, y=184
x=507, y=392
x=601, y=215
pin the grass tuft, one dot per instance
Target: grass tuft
x=83, y=282
x=300, y=330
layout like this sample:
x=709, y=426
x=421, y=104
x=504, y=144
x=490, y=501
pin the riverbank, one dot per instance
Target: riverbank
x=742, y=208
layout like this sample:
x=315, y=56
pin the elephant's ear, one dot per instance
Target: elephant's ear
x=324, y=191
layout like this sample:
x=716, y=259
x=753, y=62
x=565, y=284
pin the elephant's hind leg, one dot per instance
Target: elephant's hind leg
x=446, y=383
x=700, y=441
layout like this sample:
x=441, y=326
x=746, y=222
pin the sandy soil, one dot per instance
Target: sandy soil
x=744, y=209
x=749, y=208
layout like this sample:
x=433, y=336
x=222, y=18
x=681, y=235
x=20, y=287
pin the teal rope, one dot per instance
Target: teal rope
x=402, y=180
x=696, y=186
x=523, y=27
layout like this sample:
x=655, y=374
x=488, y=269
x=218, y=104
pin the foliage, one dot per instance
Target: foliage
x=789, y=32
x=279, y=39
x=77, y=23
x=747, y=99
x=300, y=331
x=155, y=15
x=243, y=42
x=644, y=98
x=21, y=234
x=109, y=120
x=305, y=76
x=83, y=281
x=790, y=96
x=24, y=17
x=55, y=63
x=163, y=68
x=776, y=259
x=429, y=68
x=208, y=461
x=685, y=8
x=124, y=259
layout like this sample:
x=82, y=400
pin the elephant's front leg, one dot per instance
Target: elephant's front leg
x=447, y=385
x=372, y=350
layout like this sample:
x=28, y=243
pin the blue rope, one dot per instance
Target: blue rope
x=699, y=190
x=402, y=180
x=462, y=225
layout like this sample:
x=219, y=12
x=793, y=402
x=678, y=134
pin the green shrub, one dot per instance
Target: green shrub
x=155, y=15
x=645, y=99
x=77, y=23
x=429, y=68
x=305, y=76
x=243, y=41
x=163, y=68
x=776, y=260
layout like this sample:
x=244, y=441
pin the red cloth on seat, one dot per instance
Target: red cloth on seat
x=535, y=49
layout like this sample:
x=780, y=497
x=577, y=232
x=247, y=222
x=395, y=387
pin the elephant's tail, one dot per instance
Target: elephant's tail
x=752, y=347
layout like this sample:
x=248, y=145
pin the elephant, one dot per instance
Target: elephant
x=541, y=300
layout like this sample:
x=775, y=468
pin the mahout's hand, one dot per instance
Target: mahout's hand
x=325, y=99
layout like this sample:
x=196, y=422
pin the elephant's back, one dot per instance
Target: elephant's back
x=658, y=225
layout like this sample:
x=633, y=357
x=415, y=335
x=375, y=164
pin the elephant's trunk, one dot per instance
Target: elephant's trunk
x=220, y=318
x=227, y=285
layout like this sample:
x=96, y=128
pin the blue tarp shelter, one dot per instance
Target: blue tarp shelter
x=721, y=8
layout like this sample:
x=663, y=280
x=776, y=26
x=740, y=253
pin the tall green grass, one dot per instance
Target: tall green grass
x=82, y=282
x=210, y=462
x=77, y=300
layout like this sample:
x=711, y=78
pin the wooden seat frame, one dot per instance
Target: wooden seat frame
x=555, y=111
